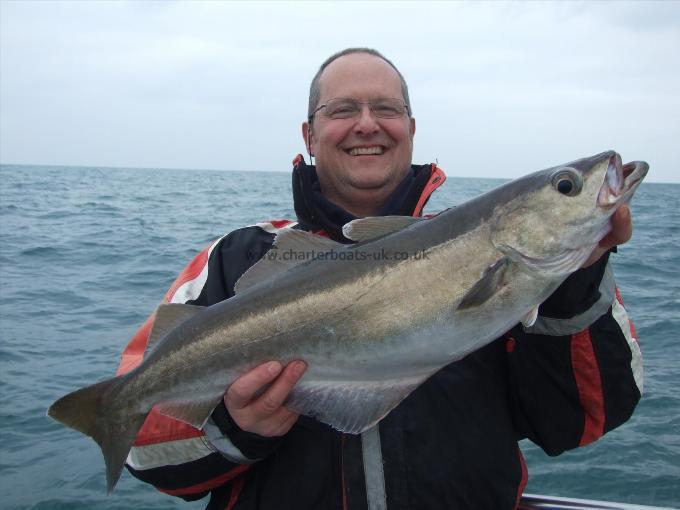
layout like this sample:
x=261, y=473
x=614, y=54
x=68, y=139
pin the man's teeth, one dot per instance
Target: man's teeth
x=365, y=151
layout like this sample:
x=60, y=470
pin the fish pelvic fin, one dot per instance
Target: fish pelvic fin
x=194, y=412
x=351, y=406
x=88, y=410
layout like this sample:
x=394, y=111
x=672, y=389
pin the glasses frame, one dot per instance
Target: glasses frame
x=324, y=105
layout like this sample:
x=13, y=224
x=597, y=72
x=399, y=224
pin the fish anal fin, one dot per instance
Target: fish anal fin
x=194, y=412
x=530, y=318
x=365, y=229
x=291, y=248
x=168, y=317
x=350, y=407
x=487, y=286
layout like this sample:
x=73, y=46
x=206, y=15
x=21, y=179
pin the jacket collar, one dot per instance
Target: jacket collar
x=315, y=212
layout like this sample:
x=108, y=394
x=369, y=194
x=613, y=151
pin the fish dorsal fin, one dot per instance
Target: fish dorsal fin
x=168, y=317
x=290, y=248
x=365, y=229
x=194, y=411
x=487, y=286
x=301, y=241
x=351, y=406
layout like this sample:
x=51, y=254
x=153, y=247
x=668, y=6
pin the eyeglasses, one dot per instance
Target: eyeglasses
x=346, y=108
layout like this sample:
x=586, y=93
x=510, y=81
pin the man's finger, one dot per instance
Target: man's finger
x=243, y=389
x=622, y=228
x=272, y=399
x=622, y=225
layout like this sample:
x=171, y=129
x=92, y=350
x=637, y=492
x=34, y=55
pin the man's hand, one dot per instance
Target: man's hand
x=622, y=229
x=264, y=413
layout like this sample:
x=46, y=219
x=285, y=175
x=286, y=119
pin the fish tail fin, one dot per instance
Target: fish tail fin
x=89, y=411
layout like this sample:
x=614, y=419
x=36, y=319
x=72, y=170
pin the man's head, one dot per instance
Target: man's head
x=360, y=158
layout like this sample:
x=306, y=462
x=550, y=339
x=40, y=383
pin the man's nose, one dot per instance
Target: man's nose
x=366, y=122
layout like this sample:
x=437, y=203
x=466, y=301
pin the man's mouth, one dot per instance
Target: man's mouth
x=374, y=150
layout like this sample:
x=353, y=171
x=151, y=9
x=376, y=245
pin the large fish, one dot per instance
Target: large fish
x=373, y=320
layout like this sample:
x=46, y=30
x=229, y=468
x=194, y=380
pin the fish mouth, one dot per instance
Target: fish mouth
x=620, y=181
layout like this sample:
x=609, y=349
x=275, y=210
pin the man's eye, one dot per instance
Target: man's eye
x=386, y=110
x=344, y=109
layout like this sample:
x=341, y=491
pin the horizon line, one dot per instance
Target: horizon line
x=254, y=171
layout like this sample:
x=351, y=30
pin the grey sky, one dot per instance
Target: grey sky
x=498, y=89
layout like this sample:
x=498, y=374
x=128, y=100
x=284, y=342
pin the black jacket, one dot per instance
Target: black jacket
x=452, y=444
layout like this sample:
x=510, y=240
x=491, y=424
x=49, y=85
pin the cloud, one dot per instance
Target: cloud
x=224, y=84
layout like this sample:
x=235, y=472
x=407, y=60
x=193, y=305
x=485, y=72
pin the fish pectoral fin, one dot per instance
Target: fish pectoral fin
x=487, y=286
x=365, y=229
x=194, y=412
x=291, y=248
x=350, y=406
x=168, y=317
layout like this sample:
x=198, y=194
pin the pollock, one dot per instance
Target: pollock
x=373, y=320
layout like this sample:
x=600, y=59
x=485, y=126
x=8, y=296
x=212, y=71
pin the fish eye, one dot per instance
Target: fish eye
x=567, y=181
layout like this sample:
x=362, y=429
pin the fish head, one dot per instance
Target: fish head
x=555, y=218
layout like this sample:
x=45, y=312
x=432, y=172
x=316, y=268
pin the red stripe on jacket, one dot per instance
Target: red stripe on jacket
x=236, y=489
x=207, y=485
x=437, y=178
x=589, y=384
x=190, y=272
x=134, y=352
x=524, y=479
x=280, y=223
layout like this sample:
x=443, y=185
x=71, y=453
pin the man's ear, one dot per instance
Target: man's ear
x=413, y=127
x=307, y=137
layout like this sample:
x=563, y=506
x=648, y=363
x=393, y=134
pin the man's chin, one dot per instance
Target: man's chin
x=370, y=183
x=373, y=176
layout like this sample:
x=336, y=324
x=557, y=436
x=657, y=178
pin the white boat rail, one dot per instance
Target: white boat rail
x=539, y=502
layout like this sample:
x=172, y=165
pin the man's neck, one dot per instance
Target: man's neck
x=364, y=203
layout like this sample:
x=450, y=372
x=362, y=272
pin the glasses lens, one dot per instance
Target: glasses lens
x=342, y=108
x=388, y=108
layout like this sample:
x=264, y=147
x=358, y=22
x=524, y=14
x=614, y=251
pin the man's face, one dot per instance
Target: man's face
x=360, y=160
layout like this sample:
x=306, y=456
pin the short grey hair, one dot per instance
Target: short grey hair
x=315, y=88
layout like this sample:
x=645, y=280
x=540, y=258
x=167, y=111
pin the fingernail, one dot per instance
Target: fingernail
x=299, y=367
x=274, y=367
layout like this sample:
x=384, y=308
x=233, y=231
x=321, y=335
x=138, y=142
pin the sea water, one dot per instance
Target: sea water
x=87, y=253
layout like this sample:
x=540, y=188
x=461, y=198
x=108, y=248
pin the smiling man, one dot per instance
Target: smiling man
x=361, y=132
x=452, y=444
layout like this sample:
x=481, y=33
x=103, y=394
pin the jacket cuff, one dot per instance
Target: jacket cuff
x=582, y=298
x=233, y=442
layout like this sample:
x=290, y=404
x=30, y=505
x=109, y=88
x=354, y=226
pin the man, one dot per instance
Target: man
x=452, y=443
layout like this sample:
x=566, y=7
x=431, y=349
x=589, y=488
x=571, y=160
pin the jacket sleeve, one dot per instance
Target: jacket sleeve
x=576, y=373
x=177, y=458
